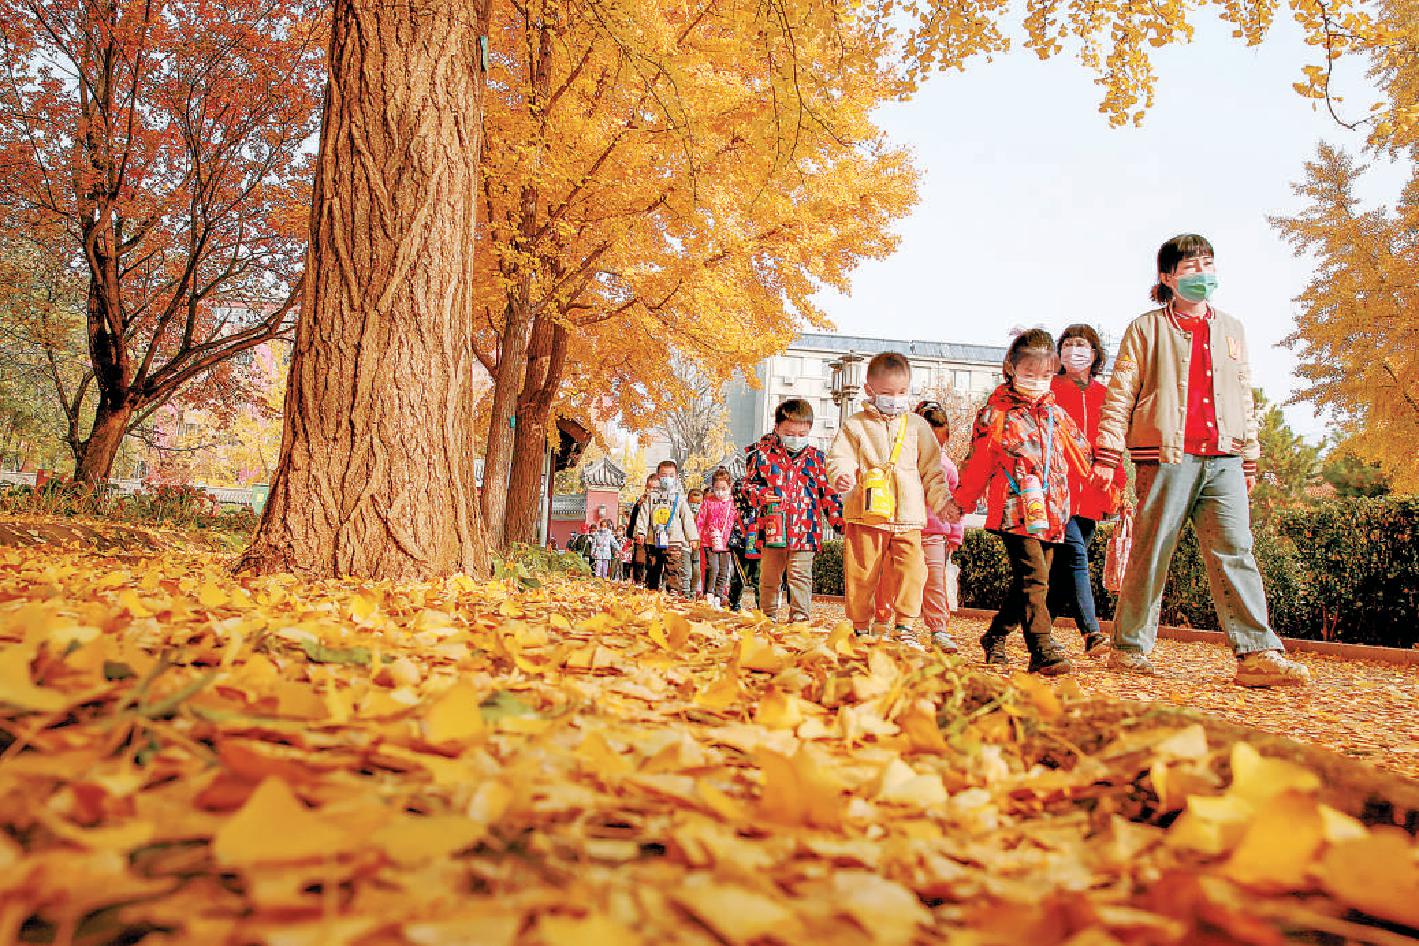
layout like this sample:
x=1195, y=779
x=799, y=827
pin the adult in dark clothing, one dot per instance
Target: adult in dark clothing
x=638, y=557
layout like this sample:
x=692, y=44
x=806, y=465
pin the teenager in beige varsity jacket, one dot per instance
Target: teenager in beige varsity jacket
x=887, y=554
x=1180, y=401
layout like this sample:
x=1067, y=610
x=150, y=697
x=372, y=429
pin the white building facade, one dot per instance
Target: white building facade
x=804, y=371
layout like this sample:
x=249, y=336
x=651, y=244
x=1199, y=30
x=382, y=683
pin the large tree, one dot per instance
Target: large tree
x=375, y=477
x=1357, y=330
x=665, y=190
x=157, y=145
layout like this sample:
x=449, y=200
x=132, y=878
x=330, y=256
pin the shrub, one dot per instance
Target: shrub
x=534, y=561
x=828, y=569
x=1361, y=576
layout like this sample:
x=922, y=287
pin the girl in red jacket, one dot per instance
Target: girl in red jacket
x=1021, y=436
x=1077, y=389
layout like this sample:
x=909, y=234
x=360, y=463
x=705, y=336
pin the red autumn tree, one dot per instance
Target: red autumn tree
x=162, y=147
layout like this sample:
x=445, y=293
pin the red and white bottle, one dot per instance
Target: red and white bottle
x=1032, y=498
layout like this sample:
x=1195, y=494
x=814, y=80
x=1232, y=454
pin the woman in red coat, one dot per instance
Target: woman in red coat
x=1077, y=389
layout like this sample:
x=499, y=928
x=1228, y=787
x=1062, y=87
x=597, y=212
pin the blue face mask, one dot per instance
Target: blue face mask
x=1197, y=287
x=793, y=444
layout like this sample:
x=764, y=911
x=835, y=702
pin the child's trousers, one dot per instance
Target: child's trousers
x=717, y=569
x=798, y=565
x=1025, y=602
x=879, y=560
x=603, y=567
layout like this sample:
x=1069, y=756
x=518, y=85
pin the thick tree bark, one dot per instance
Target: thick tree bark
x=375, y=478
x=502, y=430
x=94, y=460
x=546, y=362
x=519, y=315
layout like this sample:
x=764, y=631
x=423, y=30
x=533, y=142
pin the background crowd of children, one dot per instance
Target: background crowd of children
x=1045, y=456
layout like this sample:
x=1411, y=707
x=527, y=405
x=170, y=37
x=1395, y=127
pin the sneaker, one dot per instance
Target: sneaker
x=865, y=633
x=1131, y=662
x=908, y=637
x=1049, y=661
x=1269, y=668
x=1095, y=644
x=994, y=648
x=944, y=643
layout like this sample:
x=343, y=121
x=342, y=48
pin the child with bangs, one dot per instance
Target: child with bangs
x=1023, y=447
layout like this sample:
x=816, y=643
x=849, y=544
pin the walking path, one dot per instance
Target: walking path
x=1361, y=709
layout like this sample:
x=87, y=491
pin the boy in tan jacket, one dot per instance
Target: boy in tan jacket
x=887, y=461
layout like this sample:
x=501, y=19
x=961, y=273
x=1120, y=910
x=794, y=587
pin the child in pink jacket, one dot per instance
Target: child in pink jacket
x=716, y=521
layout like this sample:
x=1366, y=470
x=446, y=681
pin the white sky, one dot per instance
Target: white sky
x=1034, y=211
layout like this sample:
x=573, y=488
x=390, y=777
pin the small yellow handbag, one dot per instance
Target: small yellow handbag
x=879, y=499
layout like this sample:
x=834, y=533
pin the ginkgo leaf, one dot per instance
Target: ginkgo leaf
x=1377, y=874
x=413, y=839
x=1257, y=778
x=1279, y=845
x=17, y=687
x=737, y=915
x=273, y=826
x=455, y=716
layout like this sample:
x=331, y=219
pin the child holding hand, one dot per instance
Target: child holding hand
x=1023, y=447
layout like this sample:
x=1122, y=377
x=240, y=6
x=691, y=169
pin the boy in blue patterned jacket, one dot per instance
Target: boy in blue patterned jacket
x=789, y=479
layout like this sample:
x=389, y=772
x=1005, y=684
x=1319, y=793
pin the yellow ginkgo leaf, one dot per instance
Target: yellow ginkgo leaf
x=594, y=930
x=1257, y=778
x=412, y=839
x=18, y=689
x=274, y=827
x=779, y=711
x=800, y=789
x=456, y=716
x=723, y=693
x=1377, y=874
x=737, y=915
x=1279, y=845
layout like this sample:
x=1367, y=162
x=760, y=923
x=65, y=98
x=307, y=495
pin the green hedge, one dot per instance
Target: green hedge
x=1347, y=570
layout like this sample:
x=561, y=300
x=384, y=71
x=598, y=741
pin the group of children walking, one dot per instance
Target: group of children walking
x=1045, y=455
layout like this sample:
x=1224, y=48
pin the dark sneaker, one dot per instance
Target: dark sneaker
x=1095, y=644
x=994, y=648
x=1131, y=662
x=1049, y=661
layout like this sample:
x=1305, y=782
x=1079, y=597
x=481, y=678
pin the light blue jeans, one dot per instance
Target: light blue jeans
x=1212, y=492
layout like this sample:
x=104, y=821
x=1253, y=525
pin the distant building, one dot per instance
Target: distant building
x=803, y=371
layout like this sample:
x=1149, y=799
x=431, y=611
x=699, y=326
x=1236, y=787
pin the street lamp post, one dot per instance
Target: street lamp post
x=845, y=383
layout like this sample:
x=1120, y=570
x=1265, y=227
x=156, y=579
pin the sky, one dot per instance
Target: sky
x=1034, y=211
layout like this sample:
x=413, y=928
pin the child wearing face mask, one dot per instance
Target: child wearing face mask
x=667, y=529
x=1021, y=438
x=716, y=523
x=786, y=483
x=888, y=462
x=693, y=579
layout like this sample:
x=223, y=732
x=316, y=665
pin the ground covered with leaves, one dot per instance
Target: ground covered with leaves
x=1362, y=709
x=188, y=758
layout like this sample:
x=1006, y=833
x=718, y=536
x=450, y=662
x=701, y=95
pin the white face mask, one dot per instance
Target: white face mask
x=1077, y=359
x=722, y=492
x=890, y=405
x=1032, y=388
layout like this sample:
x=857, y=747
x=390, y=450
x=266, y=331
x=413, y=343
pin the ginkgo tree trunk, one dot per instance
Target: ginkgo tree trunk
x=375, y=478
